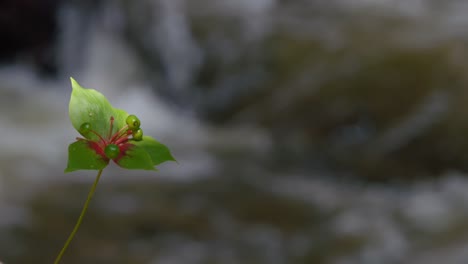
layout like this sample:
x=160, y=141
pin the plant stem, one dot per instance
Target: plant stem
x=80, y=219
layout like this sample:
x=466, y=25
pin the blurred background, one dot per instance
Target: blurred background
x=306, y=131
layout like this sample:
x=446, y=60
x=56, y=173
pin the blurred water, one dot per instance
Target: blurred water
x=229, y=200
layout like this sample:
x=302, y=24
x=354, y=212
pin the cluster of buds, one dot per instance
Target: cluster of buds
x=113, y=146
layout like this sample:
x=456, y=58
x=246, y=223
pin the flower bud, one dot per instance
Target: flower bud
x=85, y=128
x=133, y=122
x=112, y=151
x=138, y=134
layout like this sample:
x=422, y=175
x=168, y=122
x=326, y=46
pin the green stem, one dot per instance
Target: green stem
x=80, y=219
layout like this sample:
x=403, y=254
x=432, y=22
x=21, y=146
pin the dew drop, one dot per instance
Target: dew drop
x=90, y=114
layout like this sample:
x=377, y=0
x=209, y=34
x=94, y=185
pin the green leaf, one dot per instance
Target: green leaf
x=136, y=158
x=90, y=106
x=158, y=152
x=82, y=157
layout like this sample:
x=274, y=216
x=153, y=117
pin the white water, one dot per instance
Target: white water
x=35, y=133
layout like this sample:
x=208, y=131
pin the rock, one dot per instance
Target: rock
x=28, y=30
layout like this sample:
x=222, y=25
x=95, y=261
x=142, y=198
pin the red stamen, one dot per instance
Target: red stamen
x=123, y=149
x=103, y=141
x=120, y=133
x=121, y=140
x=99, y=150
x=111, y=127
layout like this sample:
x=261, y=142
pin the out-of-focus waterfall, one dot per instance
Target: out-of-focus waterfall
x=279, y=112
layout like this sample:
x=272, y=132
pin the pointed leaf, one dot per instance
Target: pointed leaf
x=136, y=158
x=82, y=157
x=90, y=106
x=158, y=152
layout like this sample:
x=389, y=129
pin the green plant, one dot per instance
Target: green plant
x=108, y=134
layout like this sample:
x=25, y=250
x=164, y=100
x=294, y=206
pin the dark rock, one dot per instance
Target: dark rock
x=28, y=30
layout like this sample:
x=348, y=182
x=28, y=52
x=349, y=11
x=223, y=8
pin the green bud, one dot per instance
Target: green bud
x=112, y=151
x=85, y=128
x=138, y=134
x=133, y=122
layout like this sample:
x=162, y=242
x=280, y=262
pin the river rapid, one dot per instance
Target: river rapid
x=298, y=128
